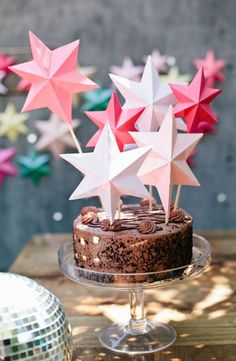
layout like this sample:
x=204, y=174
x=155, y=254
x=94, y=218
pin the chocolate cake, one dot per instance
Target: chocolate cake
x=138, y=242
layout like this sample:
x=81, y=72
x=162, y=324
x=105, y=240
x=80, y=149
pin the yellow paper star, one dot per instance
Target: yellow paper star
x=175, y=77
x=12, y=124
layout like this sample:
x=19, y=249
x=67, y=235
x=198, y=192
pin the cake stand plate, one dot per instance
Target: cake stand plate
x=140, y=336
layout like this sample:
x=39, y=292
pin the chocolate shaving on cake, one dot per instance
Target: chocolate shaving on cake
x=89, y=217
x=88, y=209
x=105, y=224
x=146, y=226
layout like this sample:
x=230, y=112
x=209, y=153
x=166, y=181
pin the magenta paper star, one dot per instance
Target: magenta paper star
x=108, y=172
x=5, y=62
x=6, y=166
x=128, y=70
x=54, y=78
x=194, y=102
x=159, y=61
x=212, y=68
x=120, y=120
x=150, y=93
x=166, y=166
x=55, y=135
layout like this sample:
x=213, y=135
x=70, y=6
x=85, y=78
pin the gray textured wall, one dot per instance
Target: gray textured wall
x=109, y=30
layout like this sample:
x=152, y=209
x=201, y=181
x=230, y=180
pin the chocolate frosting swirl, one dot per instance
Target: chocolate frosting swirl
x=89, y=217
x=146, y=226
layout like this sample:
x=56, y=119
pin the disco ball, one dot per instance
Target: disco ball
x=33, y=323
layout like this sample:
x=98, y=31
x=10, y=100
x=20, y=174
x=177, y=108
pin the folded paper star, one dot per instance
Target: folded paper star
x=128, y=70
x=166, y=166
x=121, y=121
x=159, y=61
x=175, y=77
x=194, y=102
x=5, y=62
x=149, y=93
x=108, y=172
x=55, y=135
x=6, y=166
x=54, y=78
x=34, y=166
x=212, y=68
x=12, y=124
x=23, y=85
x=3, y=88
x=97, y=99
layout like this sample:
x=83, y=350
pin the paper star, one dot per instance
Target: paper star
x=175, y=77
x=120, y=120
x=54, y=78
x=5, y=62
x=166, y=164
x=3, y=89
x=55, y=135
x=97, y=99
x=194, y=102
x=23, y=85
x=128, y=70
x=34, y=166
x=212, y=68
x=108, y=172
x=159, y=61
x=149, y=93
x=12, y=124
x=6, y=166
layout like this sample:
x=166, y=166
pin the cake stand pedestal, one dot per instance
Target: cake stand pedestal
x=139, y=336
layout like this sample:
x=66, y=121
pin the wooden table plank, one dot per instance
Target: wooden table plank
x=203, y=310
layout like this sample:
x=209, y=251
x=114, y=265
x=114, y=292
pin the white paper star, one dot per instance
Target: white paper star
x=109, y=173
x=149, y=93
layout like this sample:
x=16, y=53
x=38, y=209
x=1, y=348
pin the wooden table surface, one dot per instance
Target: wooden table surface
x=203, y=310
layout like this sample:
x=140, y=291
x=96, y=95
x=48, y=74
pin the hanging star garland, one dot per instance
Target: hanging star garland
x=54, y=78
x=166, y=166
x=194, y=102
x=12, y=124
x=34, y=166
x=55, y=135
x=109, y=173
x=128, y=70
x=150, y=94
x=213, y=68
x=159, y=61
x=120, y=120
x=174, y=76
x=5, y=62
x=97, y=99
x=6, y=167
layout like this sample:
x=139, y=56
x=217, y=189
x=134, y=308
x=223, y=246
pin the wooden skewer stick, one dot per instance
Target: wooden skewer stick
x=150, y=200
x=166, y=219
x=177, y=197
x=74, y=138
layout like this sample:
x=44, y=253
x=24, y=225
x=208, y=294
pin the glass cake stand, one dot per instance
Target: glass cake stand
x=139, y=336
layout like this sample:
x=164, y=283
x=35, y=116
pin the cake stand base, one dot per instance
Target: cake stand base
x=155, y=337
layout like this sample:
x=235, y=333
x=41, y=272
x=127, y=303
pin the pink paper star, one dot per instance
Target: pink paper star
x=194, y=102
x=159, y=61
x=23, y=85
x=212, y=68
x=54, y=78
x=120, y=120
x=128, y=69
x=109, y=173
x=5, y=62
x=6, y=166
x=166, y=164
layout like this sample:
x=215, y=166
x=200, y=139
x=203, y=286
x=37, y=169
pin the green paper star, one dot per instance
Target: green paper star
x=34, y=166
x=12, y=123
x=174, y=76
x=97, y=99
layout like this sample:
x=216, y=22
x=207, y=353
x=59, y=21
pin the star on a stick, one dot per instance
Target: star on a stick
x=54, y=78
x=149, y=93
x=213, y=68
x=12, y=124
x=120, y=120
x=166, y=166
x=108, y=172
x=34, y=166
x=194, y=102
x=6, y=167
x=55, y=135
x=128, y=70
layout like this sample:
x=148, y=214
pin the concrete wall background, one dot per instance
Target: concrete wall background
x=109, y=30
